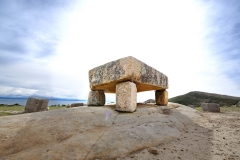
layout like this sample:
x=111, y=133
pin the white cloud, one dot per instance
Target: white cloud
x=157, y=33
x=16, y=91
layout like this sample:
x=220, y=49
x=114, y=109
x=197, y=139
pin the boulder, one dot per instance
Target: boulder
x=88, y=133
x=36, y=105
x=77, y=104
x=210, y=107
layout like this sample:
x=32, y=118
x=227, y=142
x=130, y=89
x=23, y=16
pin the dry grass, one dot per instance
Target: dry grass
x=12, y=108
x=5, y=114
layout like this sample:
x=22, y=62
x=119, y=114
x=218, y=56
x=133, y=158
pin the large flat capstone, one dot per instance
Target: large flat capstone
x=146, y=78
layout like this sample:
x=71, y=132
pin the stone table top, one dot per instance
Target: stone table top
x=146, y=78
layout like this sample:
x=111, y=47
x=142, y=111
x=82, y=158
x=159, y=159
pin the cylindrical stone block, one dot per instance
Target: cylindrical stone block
x=126, y=97
x=96, y=98
x=161, y=97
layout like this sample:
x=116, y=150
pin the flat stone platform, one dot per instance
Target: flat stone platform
x=107, y=76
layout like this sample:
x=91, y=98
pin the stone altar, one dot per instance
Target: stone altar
x=126, y=77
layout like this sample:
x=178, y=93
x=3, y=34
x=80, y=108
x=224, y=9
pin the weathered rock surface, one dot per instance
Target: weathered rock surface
x=210, y=107
x=90, y=132
x=77, y=104
x=96, y=98
x=106, y=77
x=36, y=105
x=126, y=97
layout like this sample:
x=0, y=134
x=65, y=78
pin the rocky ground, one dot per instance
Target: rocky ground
x=152, y=132
x=218, y=139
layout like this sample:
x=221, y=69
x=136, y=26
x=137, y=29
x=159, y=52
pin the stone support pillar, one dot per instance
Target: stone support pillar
x=161, y=97
x=126, y=96
x=96, y=98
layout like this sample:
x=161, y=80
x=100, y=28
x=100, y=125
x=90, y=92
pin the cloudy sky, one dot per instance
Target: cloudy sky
x=47, y=47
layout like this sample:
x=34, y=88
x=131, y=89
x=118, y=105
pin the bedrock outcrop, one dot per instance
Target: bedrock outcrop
x=91, y=132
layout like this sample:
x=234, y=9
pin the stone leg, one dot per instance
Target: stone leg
x=126, y=97
x=161, y=97
x=96, y=98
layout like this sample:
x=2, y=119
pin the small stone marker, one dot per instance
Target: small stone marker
x=36, y=105
x=126, y=77
x=210, y=107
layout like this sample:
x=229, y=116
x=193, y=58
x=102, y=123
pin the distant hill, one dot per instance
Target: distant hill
x=196, y=98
